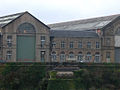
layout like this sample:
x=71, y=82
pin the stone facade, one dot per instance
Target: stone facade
x=11, y=29
x=96, y=44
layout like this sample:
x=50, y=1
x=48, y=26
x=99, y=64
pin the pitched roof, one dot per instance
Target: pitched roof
x=64, y=33
x=9, y=18
x=85, y=24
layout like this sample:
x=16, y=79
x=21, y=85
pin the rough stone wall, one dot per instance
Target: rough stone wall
x=76, y=50
x=11, y=29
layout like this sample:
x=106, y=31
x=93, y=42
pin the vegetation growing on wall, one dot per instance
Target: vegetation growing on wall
x=14, y=76
x=34, y=76
x=90, y=77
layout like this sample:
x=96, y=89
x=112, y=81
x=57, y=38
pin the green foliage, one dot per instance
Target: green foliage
x=18, y=76
x=52, y=74
x=33, y=76
x=61, y=85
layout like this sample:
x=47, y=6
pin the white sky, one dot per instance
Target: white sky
x=51, y=11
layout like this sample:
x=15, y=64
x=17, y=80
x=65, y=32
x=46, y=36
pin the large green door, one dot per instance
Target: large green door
x=25, y=48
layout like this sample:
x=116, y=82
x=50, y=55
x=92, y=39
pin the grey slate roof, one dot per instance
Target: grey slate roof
x=66, y=33
x=9, y=18
x=5, y=20
x=85, y=24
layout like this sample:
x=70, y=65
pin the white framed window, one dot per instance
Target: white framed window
x=71, y=55
x=62, y=57
x=42, y=56
x=108, y=56
x=62, y=44
x=8, y=55
x=97, y=57
x=80, y=56
x=97, y=45
x=88, y=56
x=71, y=44
x=79, y=44
x=9, y=40
x=53, y=44
x=53, y=56
x=42, y=41
x=89, y=45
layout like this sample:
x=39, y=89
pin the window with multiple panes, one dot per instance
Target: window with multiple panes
x=97, y=57
x=88, y=44
x=79, y=44
x=42, y=41
x=97, y=45
x=80, y=56
x=42, y=56
x=62, y=44
x=8, y=55
x=53, y=44
x=9, y=40
x=71, y=45
x=62, y=56
x=88, y=57
x=53, y=56
x=71, y=55
x=108, y=56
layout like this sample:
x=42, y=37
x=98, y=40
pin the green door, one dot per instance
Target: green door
x=25, y=48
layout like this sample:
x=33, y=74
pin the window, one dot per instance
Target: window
x=9, y=55
x=88, y=44
x=71, y=55
x=79, y=44
x=97, y=45
x=53, y=44
x=71, y=44
x=108, y=41
x=42, y=38
x=26, y=28
x=88, y=57
x=80, y=56
x=53, y=56
x=9, y=41
x=62, y=56
x=108, y=56
x=42, y=56
x=42, y=41
x=117, y=31
x=97, y=57
x=62, y=44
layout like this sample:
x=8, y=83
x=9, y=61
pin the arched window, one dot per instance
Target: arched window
x=117, y=31
x=88, y=56
x=80, y=56
x=97, y=57
x=71, y=55
x=62, y=57
x=26, y=28
x=53, y=56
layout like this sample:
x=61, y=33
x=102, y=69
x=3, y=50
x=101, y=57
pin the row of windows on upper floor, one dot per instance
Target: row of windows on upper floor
x=9, y=40
x=80, y=45
x=62, y=45
x=71, y=45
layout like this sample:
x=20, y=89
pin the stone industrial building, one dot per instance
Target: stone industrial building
x=24, y=38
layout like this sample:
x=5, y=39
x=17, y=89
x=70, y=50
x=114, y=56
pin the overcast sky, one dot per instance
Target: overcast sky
x=52, y=11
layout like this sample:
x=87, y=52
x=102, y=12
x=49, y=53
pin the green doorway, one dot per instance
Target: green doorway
x=26, y=48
